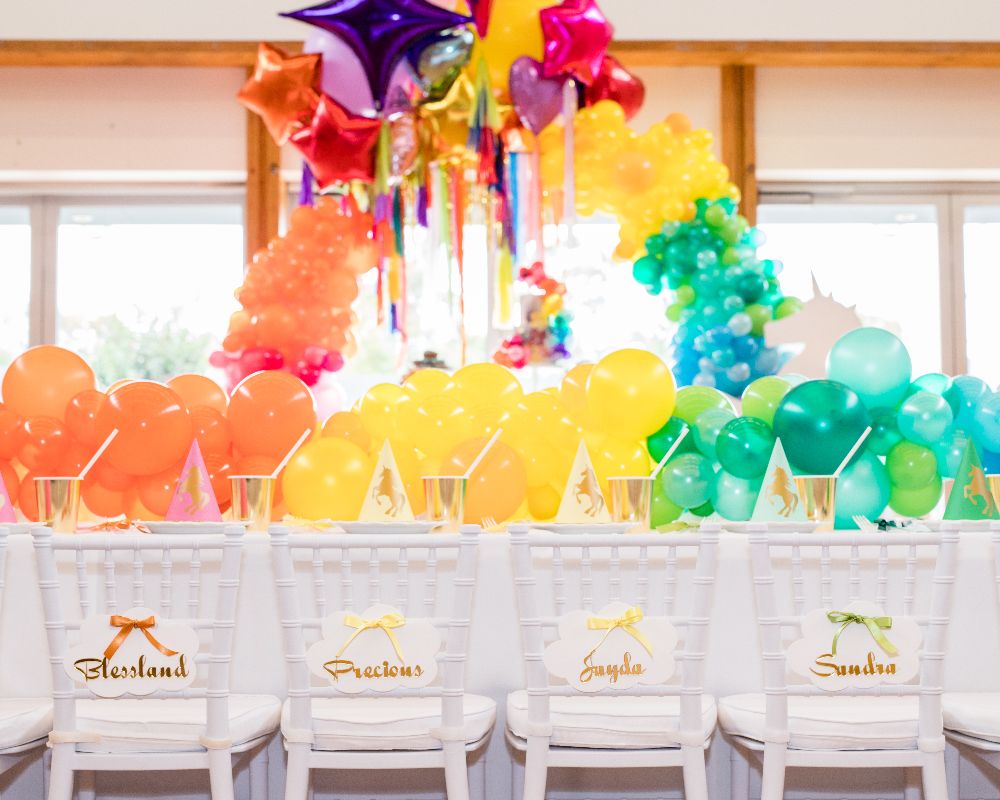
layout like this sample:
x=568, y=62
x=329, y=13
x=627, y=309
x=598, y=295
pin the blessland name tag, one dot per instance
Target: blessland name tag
x=137, y=652
x=378, y=649
x=857, y=646
x=616, y=648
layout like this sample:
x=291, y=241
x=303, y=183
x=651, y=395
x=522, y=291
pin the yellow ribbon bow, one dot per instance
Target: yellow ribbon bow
x=626, y=622
x=875, y=626
x=385, y=623
x=128, y=625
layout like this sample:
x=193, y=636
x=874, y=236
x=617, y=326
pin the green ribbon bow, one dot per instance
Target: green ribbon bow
x=875, y=626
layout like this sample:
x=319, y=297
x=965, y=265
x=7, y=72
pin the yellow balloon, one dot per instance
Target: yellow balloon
x=543, y=502
x=326, y=479
x=539, y=463
x=616, y=458
x=348, y=425
x=630, y=394
x=573, y=390
x=427, y=382
x=433, y=425
x=377, y=409
x=515, y=31
x=486, y=384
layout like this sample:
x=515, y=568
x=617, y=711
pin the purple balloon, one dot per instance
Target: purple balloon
x=380, y=31
x=537, y=99
x=342, y=75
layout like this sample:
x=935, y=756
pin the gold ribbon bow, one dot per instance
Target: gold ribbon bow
x=385, y=623
x=626, y=622
x=128, y=625
x=875, y=626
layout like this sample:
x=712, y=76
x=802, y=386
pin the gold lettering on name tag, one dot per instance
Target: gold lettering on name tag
x=610, y=671
x=343, y=666
x=92, y=669
x=870, y=667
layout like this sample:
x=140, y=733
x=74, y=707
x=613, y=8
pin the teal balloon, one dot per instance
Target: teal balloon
x=863, y=489
x=885, y=432
x=874, y=363
x=933, y=382
x=818, y=423
x=707, y=428
x=688, y=480
x=734, y=497
x=948, y=452
x=924, y=418
x=744, y=447
x=660, y=442
x=986, y=422
x=963, y=396
x=664, y=510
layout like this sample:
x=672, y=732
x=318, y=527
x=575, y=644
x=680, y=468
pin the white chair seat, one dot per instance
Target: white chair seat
x=610, y=722
x=388, y=723
x=829, y=723
x=126, y=725
x=975, y=714
x=24, y=720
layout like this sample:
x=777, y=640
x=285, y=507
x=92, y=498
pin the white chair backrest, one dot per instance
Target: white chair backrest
x=830, y=570
x=425, y=576
x=108, y=573
x=656, y=572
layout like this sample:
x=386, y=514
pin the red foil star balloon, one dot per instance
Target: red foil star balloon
x=577, y=35
x=616, y=83
x=339, y=145
x=282, y=90
x=380, y=31
x=481, y=10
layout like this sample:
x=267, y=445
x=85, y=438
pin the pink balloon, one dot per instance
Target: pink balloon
x=330, y=396
x=342, y=76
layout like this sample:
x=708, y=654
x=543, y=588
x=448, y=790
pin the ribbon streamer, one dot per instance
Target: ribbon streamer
x=626, y=622
x=385, y=623
x=875, y=625
x=128, y=625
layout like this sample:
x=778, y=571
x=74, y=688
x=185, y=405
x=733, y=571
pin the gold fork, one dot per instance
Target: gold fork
x=489, y=525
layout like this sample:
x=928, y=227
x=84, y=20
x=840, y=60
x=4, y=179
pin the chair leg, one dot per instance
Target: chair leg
x=772, y=785
x=456, y=771
x=86, y=785
x=935, y=780
x=739, y=774
x=46, y=768
x=953, y=770
x=536, y=767
x=259, y=773
x=297, y=772
x=220, y=774
x=477, y=776
x=912, y=789
x=61, y=774
x=695, y=779
x=516, y=777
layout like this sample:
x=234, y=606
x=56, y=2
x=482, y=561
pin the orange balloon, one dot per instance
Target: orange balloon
x=27, y=499
x=258, y=465
x=197, y=390
x=10, y=481
x=349, y=425
x=497, y=487
x=134, y=509
x=46, y=442
x=111, y=477
x=73, y=459
x=11, y=433
x=154, y=429
x=156, y=491
x=268, y=412
x=211, y=429
x=219, y=469
x=42, y=380
x=101, y=501
x=81, y=417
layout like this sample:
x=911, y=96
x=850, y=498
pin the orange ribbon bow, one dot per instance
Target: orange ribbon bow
x=128, y=625
x=118, y=525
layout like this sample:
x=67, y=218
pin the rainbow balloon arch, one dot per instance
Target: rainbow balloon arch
x=625, y=408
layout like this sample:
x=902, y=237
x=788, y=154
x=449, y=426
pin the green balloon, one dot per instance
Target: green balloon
x=933, y=382
x=759, y=315
x=744, y=447
x=911, y=466
x=762, y=397
x=660, y=442
x=688, y=480
x=874, y=363
x=707, y=428
x=664, y=510
x=885, y=432
x=818, y=423
x=915, y=502
x=734, y=497
x=693, y=400
x=787, y=307
x=704, y=509
x=647, y=270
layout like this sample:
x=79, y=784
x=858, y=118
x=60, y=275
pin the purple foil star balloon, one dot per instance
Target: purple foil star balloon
x=379, y=31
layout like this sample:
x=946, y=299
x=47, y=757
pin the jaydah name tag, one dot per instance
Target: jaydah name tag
x=379, y=649
x=616, y=648
x=856, y=647
x=136, y=652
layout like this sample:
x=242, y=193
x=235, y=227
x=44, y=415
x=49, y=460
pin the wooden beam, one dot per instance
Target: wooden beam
x=264, y=186
x=15, y=53
x=739, y=142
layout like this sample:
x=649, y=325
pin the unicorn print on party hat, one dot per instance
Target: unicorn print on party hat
x=582, y=500
x=194, y=500
x=778, y=500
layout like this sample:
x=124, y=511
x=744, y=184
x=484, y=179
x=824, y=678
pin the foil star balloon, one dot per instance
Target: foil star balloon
x=282, y=90
x=380, y=31
x=481, y=15
x=577, y=35
x=339, y=145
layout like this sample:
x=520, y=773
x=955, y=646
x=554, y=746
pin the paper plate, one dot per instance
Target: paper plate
x=575, y=528
x=163, y=526
x=18, y=527
x=418, y=526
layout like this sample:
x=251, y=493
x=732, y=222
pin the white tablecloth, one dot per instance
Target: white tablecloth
x=494, y=669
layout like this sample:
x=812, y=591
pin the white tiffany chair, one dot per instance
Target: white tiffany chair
x=25, y=722
x=664, y=725
x=201, y=727
x=427, y=577
x=796, y=724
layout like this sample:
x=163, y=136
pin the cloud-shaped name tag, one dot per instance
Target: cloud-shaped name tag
x=857, y=647
x=379, y=649
x=616, y=648
x=136, y=652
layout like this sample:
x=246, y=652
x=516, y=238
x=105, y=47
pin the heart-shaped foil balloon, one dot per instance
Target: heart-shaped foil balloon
x=537, y=99
x=616, y=83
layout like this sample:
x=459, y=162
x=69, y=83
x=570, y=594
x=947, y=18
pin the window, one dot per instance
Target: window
x=15, y=268
x=981, y=255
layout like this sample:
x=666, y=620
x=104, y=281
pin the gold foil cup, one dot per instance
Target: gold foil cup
x=819, y=497
x=253, y=496
x=59, y=502
x=994, y=482
x=445, y=496
x=631, y=500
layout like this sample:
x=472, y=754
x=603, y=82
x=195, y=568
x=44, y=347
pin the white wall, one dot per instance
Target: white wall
x=634, y=19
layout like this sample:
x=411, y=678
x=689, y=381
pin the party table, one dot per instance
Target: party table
x=494, y=669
